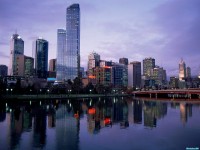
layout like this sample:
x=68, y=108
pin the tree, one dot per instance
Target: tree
x=77, y=86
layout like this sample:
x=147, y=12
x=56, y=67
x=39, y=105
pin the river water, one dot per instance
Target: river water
x=100, y=124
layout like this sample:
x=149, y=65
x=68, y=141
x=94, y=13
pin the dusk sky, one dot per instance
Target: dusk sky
x=166, y=30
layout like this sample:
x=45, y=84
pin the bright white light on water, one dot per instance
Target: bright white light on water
x=30, y=102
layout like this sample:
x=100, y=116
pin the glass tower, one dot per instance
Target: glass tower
x=148, y=64
x=61, y=52
x=182, y=70
x=16, y=48
x=41, y=58
x=72, y=56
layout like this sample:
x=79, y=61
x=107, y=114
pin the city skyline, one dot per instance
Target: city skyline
x=152, y=31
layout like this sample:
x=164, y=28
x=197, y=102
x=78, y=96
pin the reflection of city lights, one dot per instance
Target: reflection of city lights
x=6, y=104
x=40, y=103
x=91, y=111
x=30, y=102
x=70, y=105
x=107, y=121
x=10, y=110
x=76, y=115
x=90, y=103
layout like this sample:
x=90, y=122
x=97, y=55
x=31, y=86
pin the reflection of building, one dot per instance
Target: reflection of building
x=72, y=42
x=183, y=113
x=137, y=111
x=130, y=111
x=67, y=129
x=149, y=114
x=16, y=48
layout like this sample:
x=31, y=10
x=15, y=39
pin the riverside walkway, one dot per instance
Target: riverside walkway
x=174, y=94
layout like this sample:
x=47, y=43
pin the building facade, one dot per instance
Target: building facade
x=72, y=42
x=61, y=55
x=134, y=74
x=41, y=57
x=93, y=61
x=16, y=48
x=123, y=61
x=148, y=64
x=3, y=70
x=182, y=70
x=52, y=65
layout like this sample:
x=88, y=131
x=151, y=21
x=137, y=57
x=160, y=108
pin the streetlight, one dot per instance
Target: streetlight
x=7, y=91
x=90, y=91
x=11, y=91
x=30, y=91
x=40, y=91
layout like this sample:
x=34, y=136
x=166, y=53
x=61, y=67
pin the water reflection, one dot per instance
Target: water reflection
x=56, y=124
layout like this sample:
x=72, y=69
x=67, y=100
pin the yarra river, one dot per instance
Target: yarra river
x=114, y=123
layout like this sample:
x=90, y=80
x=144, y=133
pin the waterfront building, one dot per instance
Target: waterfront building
x=16, y=48
x=72, y=42
x=40, y=49
x=148, y=64
x=3, y=70
x=182, y=70
x=173, y=83
x=104, y=63
x=134, y=74
x=123, y=61
x=93, y=61
x=159, y=75
x=120, y=75
x=61, y=55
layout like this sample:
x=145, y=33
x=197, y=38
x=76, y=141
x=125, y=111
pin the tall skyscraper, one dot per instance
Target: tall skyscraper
x=72, y=42
x=182, y=70
x=41, y=57
x=134, y=74
x=16, y=48
x=123, y=61
x=148, y=64
x=61, y=54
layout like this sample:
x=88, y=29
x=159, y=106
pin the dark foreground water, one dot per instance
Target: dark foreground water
x=100, y=124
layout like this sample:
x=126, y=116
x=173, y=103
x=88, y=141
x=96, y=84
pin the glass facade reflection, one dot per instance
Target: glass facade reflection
x=60, y=61
x=16, y=48
x=72, y=56
x=41, y=58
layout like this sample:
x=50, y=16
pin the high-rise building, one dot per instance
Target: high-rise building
x=3, y=70
x=159, y=75
x=25, y=65
x=148, y=64
x=188, y=72
x=61, y=54
x=72, y=42
x=123, y=61
x=120, y=75
x=52, y=65
x=16, y=48
x=134, y=74
x=182, y=70
x=173, y=83
x=41, y=57
x=93, y=61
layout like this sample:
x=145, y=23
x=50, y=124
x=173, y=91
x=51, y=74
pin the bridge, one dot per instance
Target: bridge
x=174, y=94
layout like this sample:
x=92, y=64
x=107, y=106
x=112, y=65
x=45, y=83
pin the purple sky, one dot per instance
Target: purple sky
x=165, y=30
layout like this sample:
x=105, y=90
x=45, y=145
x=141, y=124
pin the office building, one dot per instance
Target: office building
x=148, y=64
x=93, y=61
x=173, y=82
x=123, y=61
x=188, y=72
x=41, y=57
x=72, y=42
x=134, y=74
x=16, y=48
x=3, y=70
x=182, y=70
x=52, y=65
x=61, y=55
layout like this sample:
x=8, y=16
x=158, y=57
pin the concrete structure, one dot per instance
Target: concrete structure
x=52, y=65
x=72, y=42
x=40, y=49
x=148, y=64
x=134, y=74
x=61, y=55
x=3, y=70
x=16, y=48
